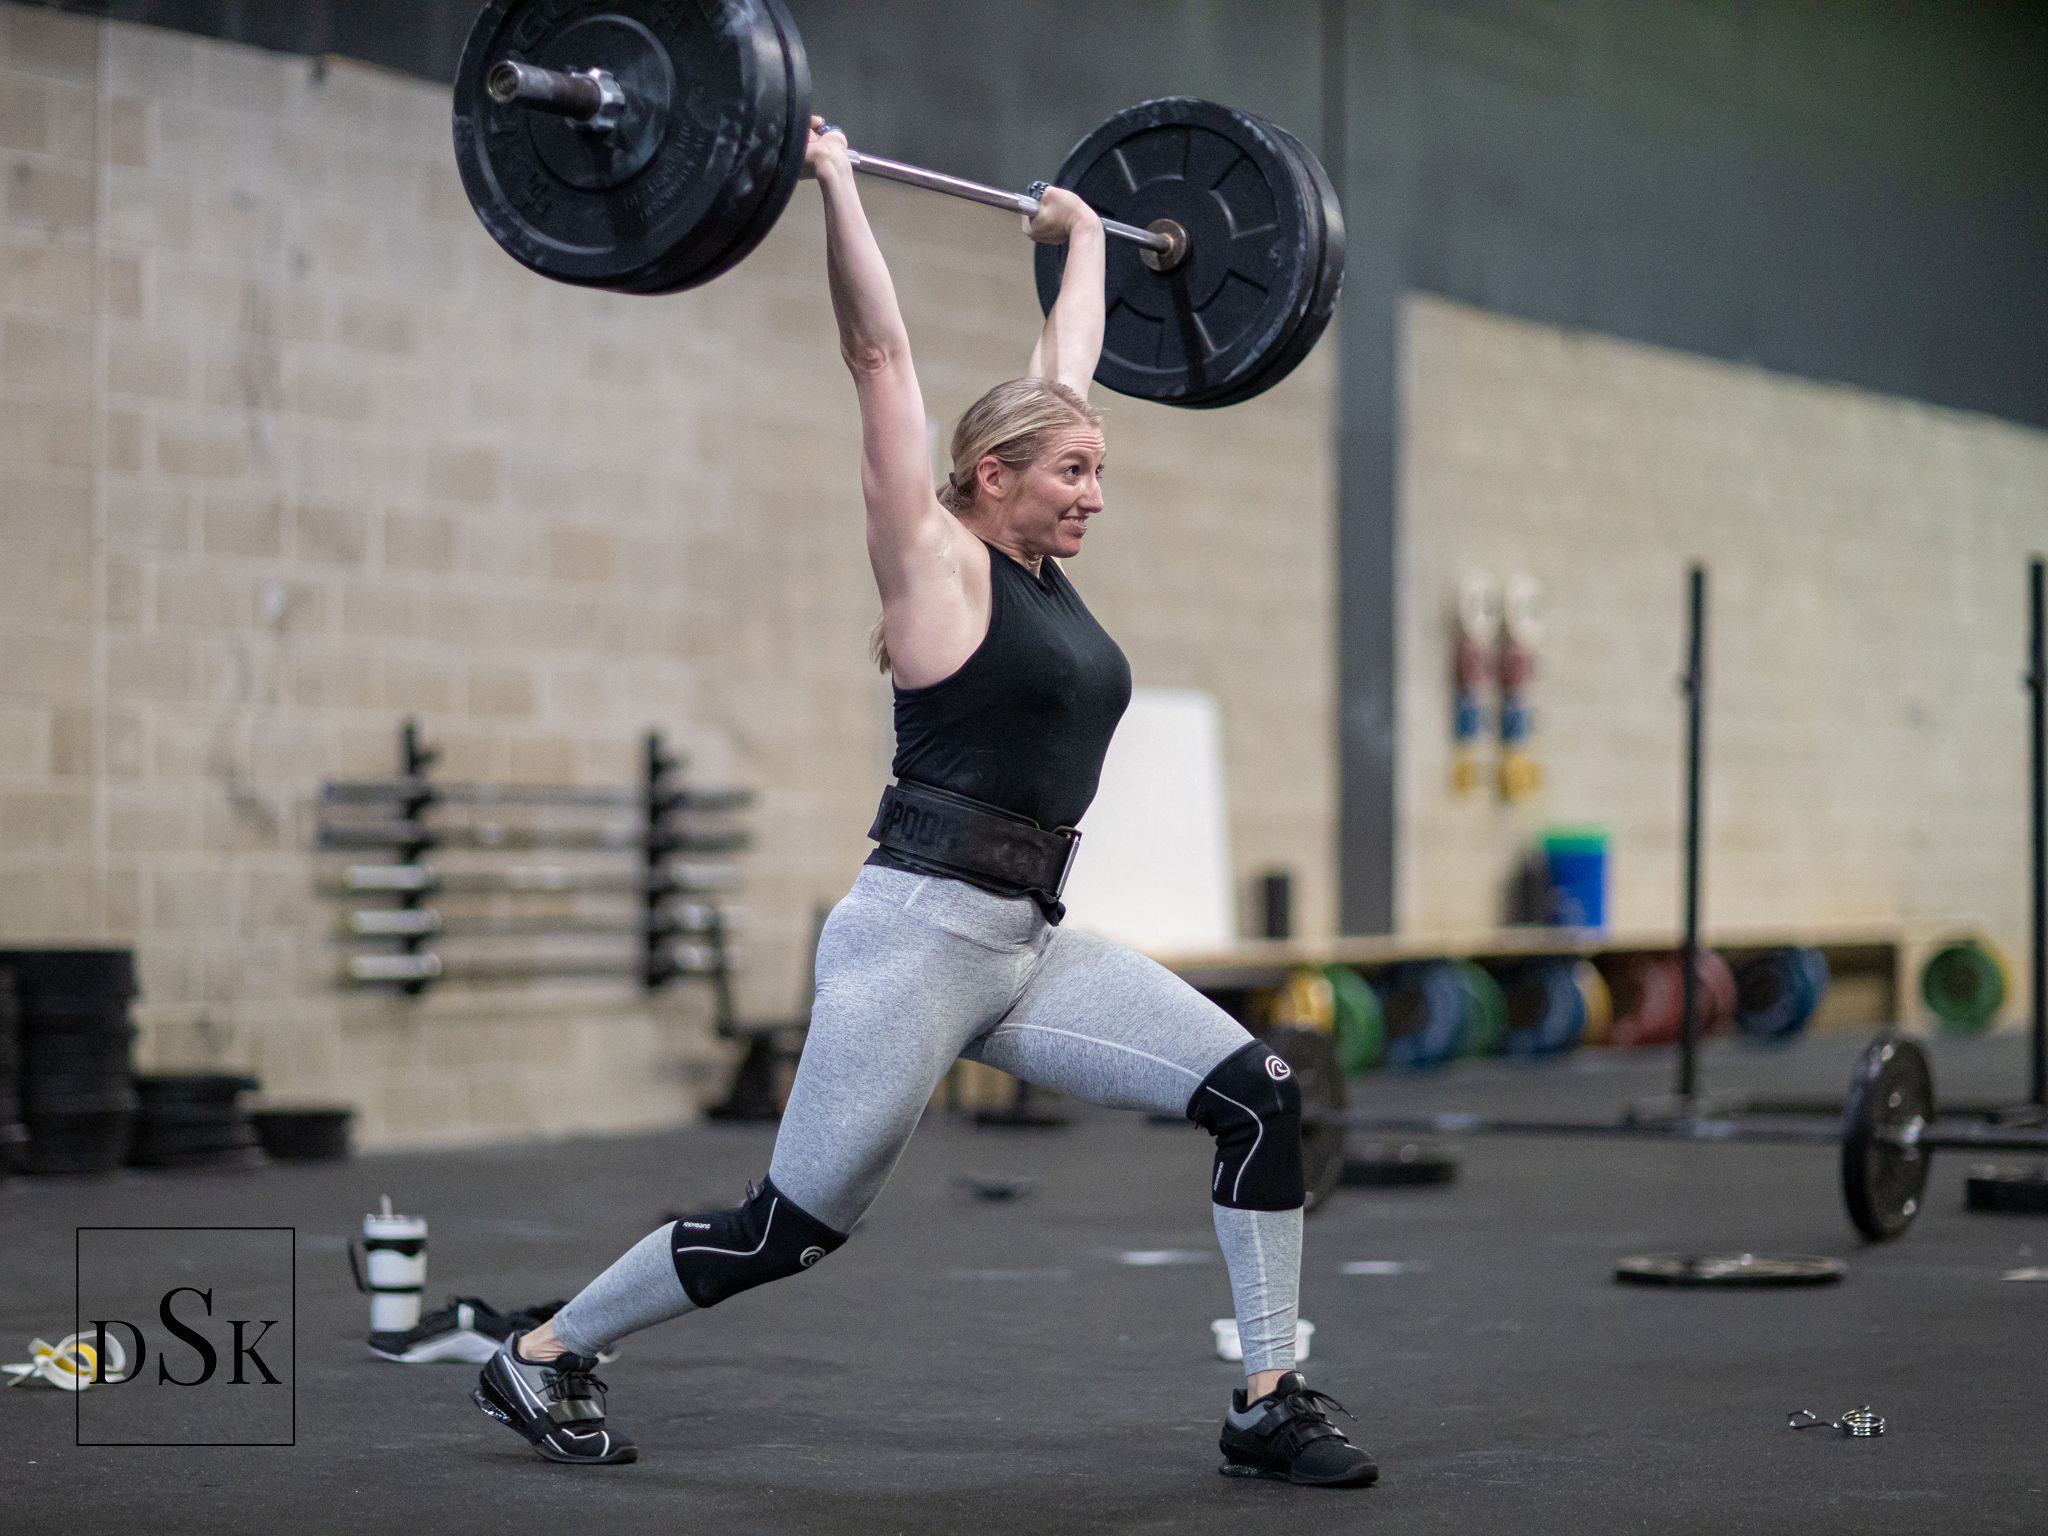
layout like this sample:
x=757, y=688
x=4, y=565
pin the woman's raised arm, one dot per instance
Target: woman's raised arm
x=1071, y=343
x=903, y=514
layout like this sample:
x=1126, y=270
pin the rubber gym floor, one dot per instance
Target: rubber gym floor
x=966, y=1365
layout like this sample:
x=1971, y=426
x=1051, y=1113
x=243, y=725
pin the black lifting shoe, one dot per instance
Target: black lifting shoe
x=557, y=1405
x=1286, y=1436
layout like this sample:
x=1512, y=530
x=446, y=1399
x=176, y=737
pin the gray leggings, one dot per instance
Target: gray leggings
x=914, y=971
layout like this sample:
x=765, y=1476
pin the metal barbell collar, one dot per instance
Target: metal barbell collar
x=594, y=100
x=590, y=98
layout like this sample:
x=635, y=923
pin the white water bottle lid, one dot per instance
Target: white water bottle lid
x=386, y=1224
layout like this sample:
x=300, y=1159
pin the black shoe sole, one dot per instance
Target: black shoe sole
x=1274, y=1475
x=489, y=1402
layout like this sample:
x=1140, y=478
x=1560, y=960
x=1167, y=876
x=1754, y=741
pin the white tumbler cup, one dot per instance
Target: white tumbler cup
x=394, y=1268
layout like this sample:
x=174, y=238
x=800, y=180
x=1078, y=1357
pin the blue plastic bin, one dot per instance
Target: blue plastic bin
x=1577, y=861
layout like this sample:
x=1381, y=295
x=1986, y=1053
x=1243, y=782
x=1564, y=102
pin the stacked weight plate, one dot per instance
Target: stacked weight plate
x=1486, y=1032
x=193, y=1120
x=13, y=1134
x=77, y=1087
x=693, y=177
x=1546, y=1011
x=1964, y=983
x=774, y=190
x=1326, y=246
x=307, y=1133
x=1265, y=256
x=1428, y=1011
x=1777, y=992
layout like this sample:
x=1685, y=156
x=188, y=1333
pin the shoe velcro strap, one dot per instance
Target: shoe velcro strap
x=572, y=1410
x=1302, y=1422
x=1302, y=1433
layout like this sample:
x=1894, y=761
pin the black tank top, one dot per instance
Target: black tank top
x=1025, y=722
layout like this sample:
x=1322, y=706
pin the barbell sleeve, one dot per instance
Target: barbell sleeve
x=589, y=97
x=545, y=90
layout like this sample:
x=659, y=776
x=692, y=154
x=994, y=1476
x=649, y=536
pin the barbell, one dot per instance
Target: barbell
x=1888, y=1133
x=648, y=146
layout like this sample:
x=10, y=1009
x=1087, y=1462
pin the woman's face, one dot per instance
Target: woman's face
x=1044, y=509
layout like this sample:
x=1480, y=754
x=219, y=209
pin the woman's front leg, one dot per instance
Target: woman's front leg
x=895, y=1000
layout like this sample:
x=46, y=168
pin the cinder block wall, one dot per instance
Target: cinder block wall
x=1866, y=751
x=289, y=450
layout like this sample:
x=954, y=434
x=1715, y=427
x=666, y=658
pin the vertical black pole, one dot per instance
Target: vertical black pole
x=1695, y=686
x=416, y=799
x=2037, y=685
x=1334, y=125
x=657, y=932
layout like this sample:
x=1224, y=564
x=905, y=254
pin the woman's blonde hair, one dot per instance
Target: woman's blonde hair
x=1014, y=423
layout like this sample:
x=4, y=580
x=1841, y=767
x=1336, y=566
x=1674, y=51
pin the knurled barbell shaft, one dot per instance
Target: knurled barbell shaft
x=582, y=98
x=1162, y=241
x=1939, y=1135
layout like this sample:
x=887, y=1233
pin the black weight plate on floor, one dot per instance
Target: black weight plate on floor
x=62, y=973
x=156, y=1142
x=775, y=193
x=304, y=1134
x=155, y=1145
x=1884, y=1169
x=2016, y=1191
x=1397, y=1164
x=1213, y=323
x=60, y=1096
x=1312, y=1053
x=90, y=1055
x=79, y=1032
x=1321, y=195
x=84, y=1020
x=214, y=1090
x=1738, y=1271
x=90, y=1142
x=192, y=1127
x=75, y=1077
x=193, y=1138
x=40, y=1074
x=67, y=1098
x=705, y=82
x=196, y=1162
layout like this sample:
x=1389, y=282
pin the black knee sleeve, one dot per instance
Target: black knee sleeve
x=725, y=1252
x=1252, y=1106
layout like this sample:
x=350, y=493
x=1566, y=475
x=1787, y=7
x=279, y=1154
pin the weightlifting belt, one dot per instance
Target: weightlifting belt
x=975, y=840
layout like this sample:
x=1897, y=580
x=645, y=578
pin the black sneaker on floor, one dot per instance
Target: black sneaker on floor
x=558, y=1405
x=1288, y=1437
x=468, y=1329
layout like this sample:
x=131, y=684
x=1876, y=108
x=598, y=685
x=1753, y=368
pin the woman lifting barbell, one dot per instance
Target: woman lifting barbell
x=949, y=944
